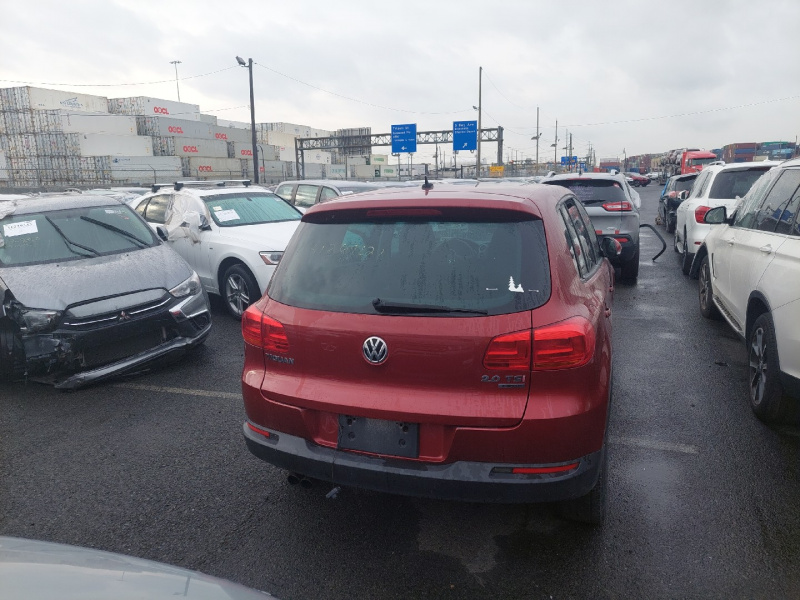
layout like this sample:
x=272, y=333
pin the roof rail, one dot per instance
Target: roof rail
x=178, y=185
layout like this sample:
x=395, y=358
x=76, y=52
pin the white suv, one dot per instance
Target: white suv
x=233, y=234
x=749, y=271
x=717, y=185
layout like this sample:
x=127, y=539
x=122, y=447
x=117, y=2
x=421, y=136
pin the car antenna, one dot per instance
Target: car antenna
x=427, y=185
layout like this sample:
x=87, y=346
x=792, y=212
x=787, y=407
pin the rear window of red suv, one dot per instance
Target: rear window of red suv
x=416, y=266
x=593, y=191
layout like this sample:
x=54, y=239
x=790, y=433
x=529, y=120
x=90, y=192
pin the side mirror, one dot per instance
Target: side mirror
x=610, y=247
x=683, y=195
x=204, y=224
x=162, y=232
x=716, y=216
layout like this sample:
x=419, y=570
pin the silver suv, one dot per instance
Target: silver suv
x=613, y=207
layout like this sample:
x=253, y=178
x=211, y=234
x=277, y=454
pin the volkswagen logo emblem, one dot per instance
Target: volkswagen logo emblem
x=123, y=316
x=375, y=350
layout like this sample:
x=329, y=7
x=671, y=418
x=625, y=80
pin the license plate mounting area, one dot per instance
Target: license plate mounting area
x=393, y=438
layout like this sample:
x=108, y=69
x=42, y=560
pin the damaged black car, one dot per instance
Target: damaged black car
x=88, y=291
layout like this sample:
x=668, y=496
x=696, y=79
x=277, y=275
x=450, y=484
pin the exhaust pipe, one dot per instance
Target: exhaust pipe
x=295, y=478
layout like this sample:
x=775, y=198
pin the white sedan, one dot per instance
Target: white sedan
x=232, y=235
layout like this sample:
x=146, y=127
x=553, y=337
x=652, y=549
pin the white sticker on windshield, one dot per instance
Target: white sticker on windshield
x=113, y=211
x=227, y=215
x=217, y=208
x=514, y=288
x=20, y=228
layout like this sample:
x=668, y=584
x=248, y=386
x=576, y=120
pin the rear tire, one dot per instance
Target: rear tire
x=767, y=398
x=630, y=270
x=239, y=290
x=686, y=259
x=591, y=508
x=707, y=307
x=12, y=354
x=669, y=224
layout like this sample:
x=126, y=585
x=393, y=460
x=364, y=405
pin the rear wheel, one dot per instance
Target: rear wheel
x=12, y=354
x=591, y=508
x=630, y=269
x=239, y=289
x=669, y=223
x=707, y=307
x=767, y=398
x=686, y=259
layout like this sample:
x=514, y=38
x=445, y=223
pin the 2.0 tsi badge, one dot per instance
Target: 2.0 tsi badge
x=375, y=350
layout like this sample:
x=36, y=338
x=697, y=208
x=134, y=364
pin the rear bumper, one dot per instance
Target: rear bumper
x=465, y=480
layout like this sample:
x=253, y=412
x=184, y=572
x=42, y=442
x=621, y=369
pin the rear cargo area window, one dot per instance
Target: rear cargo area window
x=593, y=191
x=490, y=267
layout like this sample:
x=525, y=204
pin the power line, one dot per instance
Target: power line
x=116, y=84
x=453, y=112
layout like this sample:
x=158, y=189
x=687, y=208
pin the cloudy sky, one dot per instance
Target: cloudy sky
x=638, y=77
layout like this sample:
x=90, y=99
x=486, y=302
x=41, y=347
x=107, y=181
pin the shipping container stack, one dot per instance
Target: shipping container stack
x=739, y=152
x=776, y=150
x=57, y=138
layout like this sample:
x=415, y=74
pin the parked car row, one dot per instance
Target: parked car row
x=738, y=232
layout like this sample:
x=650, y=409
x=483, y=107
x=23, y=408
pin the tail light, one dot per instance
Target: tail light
x=563, y=345
x=700, y=212
x=263, y=332
x=511, y=351
x=618, y=206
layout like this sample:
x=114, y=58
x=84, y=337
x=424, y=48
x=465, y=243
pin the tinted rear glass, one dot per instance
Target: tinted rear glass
x=249, y=208
x=729, y=184
x=493, y=266
x=684, y=184
x=593, y=191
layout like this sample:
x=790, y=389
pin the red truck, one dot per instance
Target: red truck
x=685, y=160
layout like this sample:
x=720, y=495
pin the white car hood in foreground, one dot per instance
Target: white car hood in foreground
x=43, y=571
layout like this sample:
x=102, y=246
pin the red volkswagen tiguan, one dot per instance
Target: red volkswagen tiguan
x=450, y=343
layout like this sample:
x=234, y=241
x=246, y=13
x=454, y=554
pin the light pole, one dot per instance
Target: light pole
x=262, y=161
x=249, y=65
x=478, y=153
x=177, y=85
x=536, y=137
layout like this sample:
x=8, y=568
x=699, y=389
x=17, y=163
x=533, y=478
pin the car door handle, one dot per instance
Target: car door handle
x=731, y=242
x=766, y=249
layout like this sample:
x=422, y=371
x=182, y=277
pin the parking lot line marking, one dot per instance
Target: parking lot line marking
x=174, y=390
x=654, y=445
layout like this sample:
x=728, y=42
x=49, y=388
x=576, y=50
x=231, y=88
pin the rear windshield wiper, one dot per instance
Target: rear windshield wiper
x=70, y=242
x=407, y=307
x=142, y=243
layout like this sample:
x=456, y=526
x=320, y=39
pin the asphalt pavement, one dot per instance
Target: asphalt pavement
x=703, y=496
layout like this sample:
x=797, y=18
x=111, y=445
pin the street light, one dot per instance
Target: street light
x=176, y=63
x=249, y=66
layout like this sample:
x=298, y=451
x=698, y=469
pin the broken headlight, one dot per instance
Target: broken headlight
x=189, y=287
x=39, y=320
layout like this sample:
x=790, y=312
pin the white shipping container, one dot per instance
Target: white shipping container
x=174, y=146
x=367, y=171
x=265, y=151
x=272, y=169
x=379, y=159
x=231, y=134
x=234, y=124
x=145, y=168
x=210, y=119
x=314, y=171
x=154, y=107
x=229, y=168
x=103, y=123
x=26, y=98
x=95, y=144
x=277, y=138
x=3, y=166
x=390, y=172
x=337, y=171
x=168, y=127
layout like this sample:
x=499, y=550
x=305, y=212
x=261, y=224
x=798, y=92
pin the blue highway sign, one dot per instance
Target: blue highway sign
x=465, y=135
x=404, y=138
